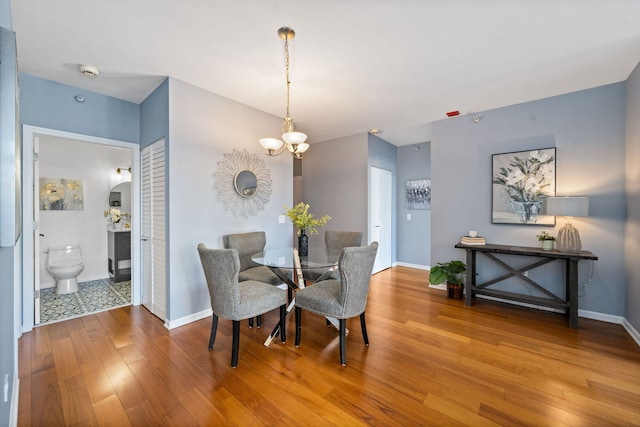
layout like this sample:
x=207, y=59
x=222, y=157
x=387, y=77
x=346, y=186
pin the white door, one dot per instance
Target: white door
x=380, y=225
x=154, y=229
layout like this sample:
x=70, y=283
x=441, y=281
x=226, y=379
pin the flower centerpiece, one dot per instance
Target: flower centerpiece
x=527, y=181
x=114, y=216
x=304, y=221
x=546, y=240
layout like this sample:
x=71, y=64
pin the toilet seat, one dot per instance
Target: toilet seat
x=65, y=263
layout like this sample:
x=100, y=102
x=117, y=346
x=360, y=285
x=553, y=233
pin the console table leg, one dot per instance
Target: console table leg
x=572, y=277
x=470, y=278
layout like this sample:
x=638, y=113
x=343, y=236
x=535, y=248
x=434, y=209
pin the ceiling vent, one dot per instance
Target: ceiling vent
x=89, y=70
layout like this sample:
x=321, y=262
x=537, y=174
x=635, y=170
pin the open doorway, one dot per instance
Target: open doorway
x=91, y=163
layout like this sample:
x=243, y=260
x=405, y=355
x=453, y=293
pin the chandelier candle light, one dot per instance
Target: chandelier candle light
x=568, y=237
x=294, y=141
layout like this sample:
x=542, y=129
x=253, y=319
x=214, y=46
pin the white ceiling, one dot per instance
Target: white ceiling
x=395, y=65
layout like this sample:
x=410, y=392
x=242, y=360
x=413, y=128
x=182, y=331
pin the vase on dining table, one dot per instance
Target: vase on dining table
x=303, y=243
x=526, y=211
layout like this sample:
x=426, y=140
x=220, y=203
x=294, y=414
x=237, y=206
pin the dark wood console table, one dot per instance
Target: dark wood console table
x=569, y=304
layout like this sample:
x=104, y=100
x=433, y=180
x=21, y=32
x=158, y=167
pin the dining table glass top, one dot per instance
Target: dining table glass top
x=317, y=257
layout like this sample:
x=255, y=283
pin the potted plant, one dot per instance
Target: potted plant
x=546, y=240
x=304, y=221
x=453, y=273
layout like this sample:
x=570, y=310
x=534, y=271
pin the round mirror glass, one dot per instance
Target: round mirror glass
x=245, y=183
x=120, y=197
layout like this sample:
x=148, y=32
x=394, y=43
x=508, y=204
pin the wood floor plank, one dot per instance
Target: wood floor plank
x=110, y=413
x=432, y=361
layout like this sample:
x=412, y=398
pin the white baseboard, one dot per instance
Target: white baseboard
x=15, y=395
x=441, y=286
x=632, y=331
x=187, y=319
x=416, y=266
x=609, y=318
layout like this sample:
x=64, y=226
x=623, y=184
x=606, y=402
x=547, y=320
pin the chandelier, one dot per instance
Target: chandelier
x=293, y=141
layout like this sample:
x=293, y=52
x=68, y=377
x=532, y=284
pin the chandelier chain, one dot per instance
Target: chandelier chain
x=287, y=62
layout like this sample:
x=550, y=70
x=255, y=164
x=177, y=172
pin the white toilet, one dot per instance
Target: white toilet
x=64, y=263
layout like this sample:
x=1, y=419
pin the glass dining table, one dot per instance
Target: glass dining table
x=286, y=262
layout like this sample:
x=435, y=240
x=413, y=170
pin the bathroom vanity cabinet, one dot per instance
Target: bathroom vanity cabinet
x=119, y=255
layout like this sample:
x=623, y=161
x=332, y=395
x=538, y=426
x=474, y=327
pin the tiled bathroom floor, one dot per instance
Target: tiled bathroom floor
x=92, y=296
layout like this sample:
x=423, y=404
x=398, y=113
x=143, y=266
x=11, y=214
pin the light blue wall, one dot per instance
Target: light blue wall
x=632, y=232
x=203, y=128
x=154, y=115
x=588, y=129
x=51, y=105
x=383, y=155
x=414, y=236
x=335, y=182
x=5, y=14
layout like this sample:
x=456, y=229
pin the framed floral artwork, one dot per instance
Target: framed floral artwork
x=60, y=194
x=521, y=181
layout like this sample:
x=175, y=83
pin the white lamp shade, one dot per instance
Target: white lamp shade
x=568, y=206
x=271, y=143
x=298, y=149
x=303, y=147
x=294, y=137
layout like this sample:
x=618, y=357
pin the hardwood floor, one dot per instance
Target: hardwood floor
x=432, y=361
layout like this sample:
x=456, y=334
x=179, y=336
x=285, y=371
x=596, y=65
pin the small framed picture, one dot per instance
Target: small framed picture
x=418, y=194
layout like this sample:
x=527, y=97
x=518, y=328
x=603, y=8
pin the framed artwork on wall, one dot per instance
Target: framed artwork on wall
x=60, y=194
x=418, y=194
x=521, y=181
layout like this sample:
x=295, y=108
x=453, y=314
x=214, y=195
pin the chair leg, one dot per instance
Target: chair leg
x=250, y=322
x=298, y=325
x=283, y=323
x=343, y=344
x=363, y=325
x=235, y=343
x=214, y=329
x=258, y=321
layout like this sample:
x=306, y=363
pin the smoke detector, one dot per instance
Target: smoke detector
x=89, y=70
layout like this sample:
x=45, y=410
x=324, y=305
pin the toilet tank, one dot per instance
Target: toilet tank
x=63, y=252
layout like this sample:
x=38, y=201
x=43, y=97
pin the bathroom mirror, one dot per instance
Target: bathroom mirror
x=246, y=183
x=120, y=197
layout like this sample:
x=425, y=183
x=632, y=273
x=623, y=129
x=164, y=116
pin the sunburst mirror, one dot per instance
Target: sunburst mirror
x=243, y=183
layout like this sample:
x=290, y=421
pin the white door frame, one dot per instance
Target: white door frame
x=29, y=133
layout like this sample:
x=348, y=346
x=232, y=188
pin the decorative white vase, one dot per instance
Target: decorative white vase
x=527, y=212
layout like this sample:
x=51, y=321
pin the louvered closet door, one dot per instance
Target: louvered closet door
x=154, y=283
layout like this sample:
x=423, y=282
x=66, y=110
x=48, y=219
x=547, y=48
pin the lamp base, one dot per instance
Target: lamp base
x=568, y=239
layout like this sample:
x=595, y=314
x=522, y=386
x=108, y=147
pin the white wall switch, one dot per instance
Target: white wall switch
x=281, y=219
x=408, y=217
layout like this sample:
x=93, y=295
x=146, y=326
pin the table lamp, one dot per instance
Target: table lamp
x=568, y=237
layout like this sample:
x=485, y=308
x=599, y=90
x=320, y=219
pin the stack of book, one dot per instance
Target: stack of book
x=468, y=240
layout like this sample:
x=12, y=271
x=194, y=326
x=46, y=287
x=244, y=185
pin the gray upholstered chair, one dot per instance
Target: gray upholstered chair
x=344, y=298
x=235, y=300
x=335, y=241
x=248, y=244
